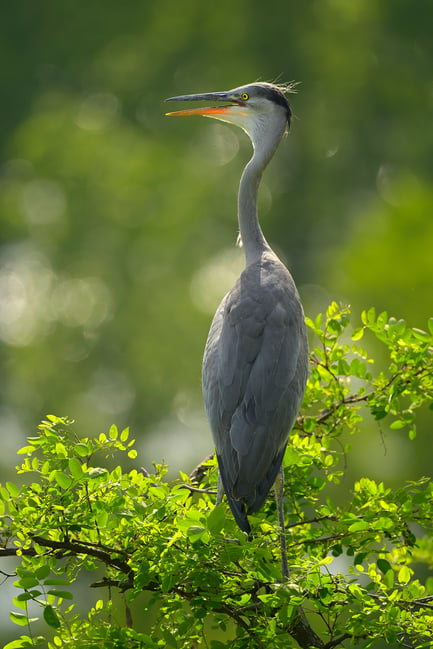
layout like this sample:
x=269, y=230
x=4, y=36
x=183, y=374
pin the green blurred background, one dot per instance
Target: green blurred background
x=118, y=225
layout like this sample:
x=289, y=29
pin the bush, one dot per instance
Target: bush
x=184, y=561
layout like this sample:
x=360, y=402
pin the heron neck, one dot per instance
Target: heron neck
x=253, y=240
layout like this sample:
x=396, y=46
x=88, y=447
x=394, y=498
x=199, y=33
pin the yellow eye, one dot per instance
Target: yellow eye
x=245, y=96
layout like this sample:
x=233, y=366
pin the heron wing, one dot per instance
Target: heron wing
x=254, y=377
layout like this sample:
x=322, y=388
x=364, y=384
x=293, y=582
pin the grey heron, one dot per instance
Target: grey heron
x=256, y=357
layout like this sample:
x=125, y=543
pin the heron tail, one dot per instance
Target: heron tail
x=237, y=507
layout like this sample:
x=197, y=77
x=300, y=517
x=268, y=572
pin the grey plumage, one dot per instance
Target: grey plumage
x=254, y=374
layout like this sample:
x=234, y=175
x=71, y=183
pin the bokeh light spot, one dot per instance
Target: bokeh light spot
x=111, y=392
x=215, y=278
x=43, y=202
x=84, y=302
x=98, y=111
x=223, y=143
x=25, y=283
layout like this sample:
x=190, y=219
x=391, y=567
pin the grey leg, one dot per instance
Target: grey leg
x=220, y=491
x=279, y=492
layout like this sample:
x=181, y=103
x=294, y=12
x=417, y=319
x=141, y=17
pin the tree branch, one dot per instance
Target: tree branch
x=303, y=633
x=82, y=548
x=197, y=489
x=337, y=641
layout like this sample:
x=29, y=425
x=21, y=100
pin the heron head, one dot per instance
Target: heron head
x=257, y=108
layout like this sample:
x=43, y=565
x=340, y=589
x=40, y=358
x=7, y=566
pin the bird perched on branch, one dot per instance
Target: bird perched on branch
x=256, y=357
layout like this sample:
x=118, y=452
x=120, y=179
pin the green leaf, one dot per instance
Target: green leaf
x=382, y=320
x=64, y=594
x=75, y=468
x=359, y=558
x=21, y=619
x=97, y=472
x=167, y=582
x=404, y=575
x=357, y=334
x=398, y=326
x=57, y=581
x=317, y=482
x=291, y=456
x=383, y=565
x=421, y=335
x=368, y=644
x=397, y=424
x=23, y=572
x=195, y=532
x=13, y=489
x=42, y=571
x=388, y=579
x=383, y=523
x=50, y=617
x=102, y=518
x=26, y=449
x=359, y=526
x=57, y=420
x=309, y=424
x=267, y=598
x=329, y=460
x=62, y=479
x=61, y=450
x=216, y=519
x=46, y=468
x=81, y=450
x=169, y=638
x=24, y=641
x=21, y=599
x=27, y=582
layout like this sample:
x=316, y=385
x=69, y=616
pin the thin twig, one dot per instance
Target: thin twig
x=197, y=489
x=317, y=519
x=337, y=641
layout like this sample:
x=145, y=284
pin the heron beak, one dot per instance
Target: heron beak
x=210, y=111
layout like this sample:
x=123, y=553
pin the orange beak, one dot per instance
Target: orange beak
x=216, y=110
x=208, y=96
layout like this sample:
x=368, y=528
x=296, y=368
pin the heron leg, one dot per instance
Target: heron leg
x=220, y=490
x=279, y=492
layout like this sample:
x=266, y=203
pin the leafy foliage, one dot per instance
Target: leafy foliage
x=359, y=561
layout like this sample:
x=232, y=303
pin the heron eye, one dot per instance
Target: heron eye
x=245, y=96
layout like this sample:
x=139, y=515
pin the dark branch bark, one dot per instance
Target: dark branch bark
x=81, y=548
x=303, y=633
x=334, y=643
x=199, y=472
x=12, y=552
